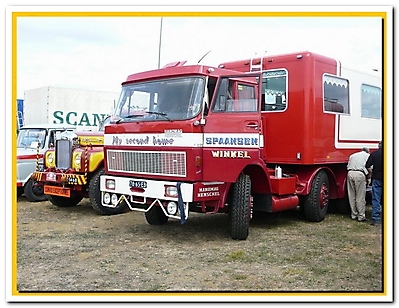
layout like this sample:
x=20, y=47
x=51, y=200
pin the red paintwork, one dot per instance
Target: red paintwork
x=283, y=203
x=302, y=128
x=283, y=186
x=30, y=156
x=177, y=71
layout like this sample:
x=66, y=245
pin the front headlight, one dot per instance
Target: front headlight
x=78, y=158
x=171, y=191
x=50, y=160
x=110, y=184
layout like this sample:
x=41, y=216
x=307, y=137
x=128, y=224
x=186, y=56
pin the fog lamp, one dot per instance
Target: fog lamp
x=171, y=208
x=107, y=198
x=114, y=199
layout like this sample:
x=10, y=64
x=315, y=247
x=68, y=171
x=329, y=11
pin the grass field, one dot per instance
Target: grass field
x=77, y=250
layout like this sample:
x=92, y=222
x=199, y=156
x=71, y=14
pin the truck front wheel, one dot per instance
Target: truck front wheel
x=155, y=216
x=240, y=210
x=65, y=201
x=316, y=202
x=34, y=191
x=95, y=197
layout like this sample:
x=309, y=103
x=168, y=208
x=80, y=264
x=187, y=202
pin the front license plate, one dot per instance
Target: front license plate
x=57, y=191
x=137, y=184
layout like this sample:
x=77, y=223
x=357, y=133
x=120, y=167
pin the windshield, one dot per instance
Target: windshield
x=29, y=138
x=166, y=99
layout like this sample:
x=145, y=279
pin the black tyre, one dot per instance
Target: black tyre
x=155, y=216
x=20, y=191
x=240, y=210
x=316, y=203
x=95, y=197
x=65, y=201
x=34, y=191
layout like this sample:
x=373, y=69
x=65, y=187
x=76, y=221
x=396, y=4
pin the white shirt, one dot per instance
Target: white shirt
x=357, y=161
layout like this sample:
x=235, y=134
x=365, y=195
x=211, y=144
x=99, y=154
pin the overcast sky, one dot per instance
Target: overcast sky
x=98, y=53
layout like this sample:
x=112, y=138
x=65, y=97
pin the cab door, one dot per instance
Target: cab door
x=233, y=128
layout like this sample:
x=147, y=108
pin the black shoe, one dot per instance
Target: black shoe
x=374, y=223
x=364, y=220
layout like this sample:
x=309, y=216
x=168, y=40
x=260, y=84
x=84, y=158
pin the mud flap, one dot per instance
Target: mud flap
x=181, y=204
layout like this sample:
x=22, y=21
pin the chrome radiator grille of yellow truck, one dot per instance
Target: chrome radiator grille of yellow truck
x=147, y=162
x=63, y=154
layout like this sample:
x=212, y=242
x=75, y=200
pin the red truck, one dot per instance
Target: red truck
x=270, y=134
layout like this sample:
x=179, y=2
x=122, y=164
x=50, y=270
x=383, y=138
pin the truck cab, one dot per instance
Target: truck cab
x=33, y=140
x=173, y=138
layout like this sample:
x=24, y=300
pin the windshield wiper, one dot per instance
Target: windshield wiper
x=128, y=117
x=159, y=113
x=140, y=115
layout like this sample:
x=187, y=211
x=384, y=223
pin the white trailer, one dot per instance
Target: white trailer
x=54, y=105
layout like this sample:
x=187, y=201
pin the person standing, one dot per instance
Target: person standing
x=356, y=183
x=374, y=167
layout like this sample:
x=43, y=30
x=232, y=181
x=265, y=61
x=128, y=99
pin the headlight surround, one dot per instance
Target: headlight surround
x=110, y=184
x=50, y=159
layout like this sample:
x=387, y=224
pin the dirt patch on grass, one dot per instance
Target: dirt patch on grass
x=77, y=250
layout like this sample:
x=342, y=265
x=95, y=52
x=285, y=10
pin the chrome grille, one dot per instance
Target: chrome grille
x=63, y=154
x=159, y=163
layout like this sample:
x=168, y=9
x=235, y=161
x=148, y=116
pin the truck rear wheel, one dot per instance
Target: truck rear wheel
x=316, y=202
x=95, y=197
x=240, y=210
x=65, y=201
x=34, y=191
x=155, y=216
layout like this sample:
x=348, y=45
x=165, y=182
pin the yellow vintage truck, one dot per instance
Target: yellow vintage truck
x=72, y=169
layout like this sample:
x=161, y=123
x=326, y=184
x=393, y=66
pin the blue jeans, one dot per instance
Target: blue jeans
x=376, y=191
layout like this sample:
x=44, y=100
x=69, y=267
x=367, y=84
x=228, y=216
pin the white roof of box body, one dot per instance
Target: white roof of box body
x=67, y=106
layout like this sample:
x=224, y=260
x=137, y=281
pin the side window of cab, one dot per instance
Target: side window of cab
x=235, y=96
